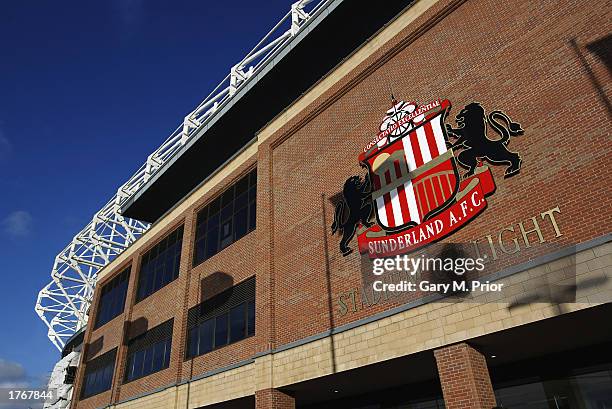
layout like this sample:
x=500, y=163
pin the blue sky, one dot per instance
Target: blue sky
x=87, y=91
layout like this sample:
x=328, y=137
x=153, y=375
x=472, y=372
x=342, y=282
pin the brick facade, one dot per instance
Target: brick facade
x=273, y=399
x=464, y=378
x=510, y=56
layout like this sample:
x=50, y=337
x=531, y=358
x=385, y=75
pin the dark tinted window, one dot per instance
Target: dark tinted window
x=160, y=265
x=136, y=364
x=112, y=299
x=206, y=331
x=149, y=352
x=99, y=374
x=158, y=356
x=225, y=318
x=226, y=219
x=221, y=330
x=251, y=318
x=237, y=322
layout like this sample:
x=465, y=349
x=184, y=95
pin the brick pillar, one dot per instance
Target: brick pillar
x=273, y=399
x=464, y=377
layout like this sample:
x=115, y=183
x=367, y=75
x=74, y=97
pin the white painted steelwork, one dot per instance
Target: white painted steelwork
x=63, y=304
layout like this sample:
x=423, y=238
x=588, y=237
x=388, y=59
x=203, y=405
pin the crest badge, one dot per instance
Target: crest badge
x=413, y=187
x=413, y=173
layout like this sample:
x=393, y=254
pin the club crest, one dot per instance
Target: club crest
x=413, y=188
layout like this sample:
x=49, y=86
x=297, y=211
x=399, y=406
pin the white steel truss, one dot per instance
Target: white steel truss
x=63, y=304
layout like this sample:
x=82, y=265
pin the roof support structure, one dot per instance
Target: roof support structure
x=63, y=304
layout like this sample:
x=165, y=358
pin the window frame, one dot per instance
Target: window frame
x=228, y=332
x=204, y=246
x=194, y=341
x=143, y=355
x=98, y=375
x=152, y=269
x=121, y=279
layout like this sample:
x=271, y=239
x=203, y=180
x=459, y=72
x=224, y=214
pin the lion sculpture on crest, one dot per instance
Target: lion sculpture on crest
x=472, y=138
x=354, y=208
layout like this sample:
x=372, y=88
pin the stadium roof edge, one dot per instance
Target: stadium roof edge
x=125, y=208
x=259, y=100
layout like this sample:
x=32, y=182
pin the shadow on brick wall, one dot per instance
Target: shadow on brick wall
x=94, y=347
x=134, y=328
x=214, y=284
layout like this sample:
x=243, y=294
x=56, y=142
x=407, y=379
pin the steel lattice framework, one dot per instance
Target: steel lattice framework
x=63, y=304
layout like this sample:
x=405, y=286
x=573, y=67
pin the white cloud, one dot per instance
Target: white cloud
x=17, y=224
x=11, y=373
x=14, y=376
x=14, y=385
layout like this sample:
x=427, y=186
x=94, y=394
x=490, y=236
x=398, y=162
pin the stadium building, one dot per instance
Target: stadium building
x=365, y=131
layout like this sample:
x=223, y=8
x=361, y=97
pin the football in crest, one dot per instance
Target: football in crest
x=393, y=121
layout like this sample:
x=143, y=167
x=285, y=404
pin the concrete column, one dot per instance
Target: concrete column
x=273, y=399
x=464, y=377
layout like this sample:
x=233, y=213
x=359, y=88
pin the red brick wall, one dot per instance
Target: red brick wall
x=273, y=399
x=464, y=377
x=510, y=56
x=238, y=267
x=171, y=301
x=159, y=307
